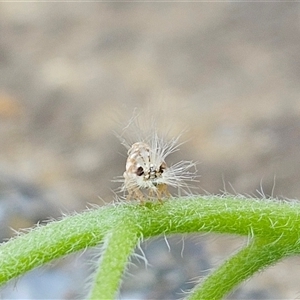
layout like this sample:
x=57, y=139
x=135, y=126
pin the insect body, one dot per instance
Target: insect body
x=145, y=168
x=147, y=175
x=147, y=171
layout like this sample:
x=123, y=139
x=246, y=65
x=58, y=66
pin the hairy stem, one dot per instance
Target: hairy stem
x=45, y=243
x=258, y=255
x=118, y=246
x=122, y=225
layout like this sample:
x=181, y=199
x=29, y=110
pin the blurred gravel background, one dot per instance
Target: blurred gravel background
x=71, y=72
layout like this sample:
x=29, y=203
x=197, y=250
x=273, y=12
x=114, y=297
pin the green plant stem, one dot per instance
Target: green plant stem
x=118, y=246
x=272, y=221
x=45, y=243
x=258, y=255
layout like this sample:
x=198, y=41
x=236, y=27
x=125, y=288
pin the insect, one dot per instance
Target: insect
x=147, y=172
x=144, y=169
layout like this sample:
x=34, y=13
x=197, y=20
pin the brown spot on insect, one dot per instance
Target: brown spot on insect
x=144, y=172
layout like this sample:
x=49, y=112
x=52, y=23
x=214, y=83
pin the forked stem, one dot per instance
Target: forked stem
x=273, y=225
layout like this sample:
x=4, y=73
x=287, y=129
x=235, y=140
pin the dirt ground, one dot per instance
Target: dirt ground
x=227, y=74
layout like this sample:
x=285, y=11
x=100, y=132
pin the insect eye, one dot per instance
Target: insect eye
x=162, y=168
x=139, y=171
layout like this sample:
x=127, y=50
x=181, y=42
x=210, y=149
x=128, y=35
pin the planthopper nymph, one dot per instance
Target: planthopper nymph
x=148, y=176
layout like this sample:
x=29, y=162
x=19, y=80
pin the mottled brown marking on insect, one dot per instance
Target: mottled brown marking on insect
x=142, y=173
